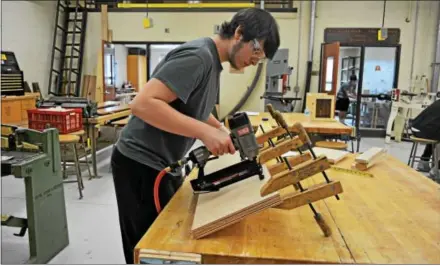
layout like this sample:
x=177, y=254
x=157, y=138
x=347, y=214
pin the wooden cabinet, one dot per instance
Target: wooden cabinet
x=14, y=108
x=137, y=70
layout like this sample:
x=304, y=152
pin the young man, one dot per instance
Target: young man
x=346, y=92
x=427, y=126
x=174, y=108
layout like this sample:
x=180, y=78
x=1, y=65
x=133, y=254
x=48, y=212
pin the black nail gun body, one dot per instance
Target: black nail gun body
x=244, y=140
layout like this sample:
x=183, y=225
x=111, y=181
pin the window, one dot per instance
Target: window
x=329, y=74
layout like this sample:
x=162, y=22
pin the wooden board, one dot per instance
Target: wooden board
x=369, y=155
x=121, y=123
x=104, y=118
x=114, y=109
x=317, y=127
x=232, y=203
x=108, y=104
x=149, y=256
x=333, y=156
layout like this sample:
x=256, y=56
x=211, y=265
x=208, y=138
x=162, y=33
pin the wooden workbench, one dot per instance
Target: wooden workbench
x=393, y=217
x=317, y=127
x=104, y=116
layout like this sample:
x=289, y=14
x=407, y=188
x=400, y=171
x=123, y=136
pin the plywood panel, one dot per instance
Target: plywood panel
x=217, y=210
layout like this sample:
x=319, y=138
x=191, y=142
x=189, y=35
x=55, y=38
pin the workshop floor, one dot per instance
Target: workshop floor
x=93, y=222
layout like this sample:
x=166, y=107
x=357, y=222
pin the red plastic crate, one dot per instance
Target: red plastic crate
x=65, y=120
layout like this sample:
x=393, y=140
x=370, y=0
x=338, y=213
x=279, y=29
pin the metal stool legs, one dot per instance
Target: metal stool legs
x=78, y=171
x=435, y=156
x=79, y=179
x=412, y=154
x=87, y=161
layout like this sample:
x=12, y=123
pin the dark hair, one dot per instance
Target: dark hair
x=353, y=77
x=255, y=24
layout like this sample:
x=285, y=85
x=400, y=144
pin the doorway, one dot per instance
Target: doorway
x=128, y=66
x=376, y=70
x=378, y=77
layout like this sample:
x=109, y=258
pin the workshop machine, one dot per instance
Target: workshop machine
x=12, y=82
x=89, y=108
x=406, y=105
x=277, y=82
x=34, y=156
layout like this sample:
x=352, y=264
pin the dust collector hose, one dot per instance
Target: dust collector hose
x=247, y=93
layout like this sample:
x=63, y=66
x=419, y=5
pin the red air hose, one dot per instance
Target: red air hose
x=156, y=188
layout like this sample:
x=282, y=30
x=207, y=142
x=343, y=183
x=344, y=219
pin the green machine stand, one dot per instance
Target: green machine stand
x=35, y=157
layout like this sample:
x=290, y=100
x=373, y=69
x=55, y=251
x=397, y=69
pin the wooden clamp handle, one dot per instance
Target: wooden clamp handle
x=298, y=173
x=279, y=150
x=280, y=119
x=298, y=127
x=270, y=109
x=270, y=134
x=295, y=160
x=323, y=225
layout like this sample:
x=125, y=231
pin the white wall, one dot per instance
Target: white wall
x=121, y=53
x=379, y=81
x=369, y=14
x=27, y=29
x=187, y=26
x=157, y=53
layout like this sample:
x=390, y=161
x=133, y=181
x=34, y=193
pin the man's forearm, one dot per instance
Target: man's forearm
x=212, y=121
x=168, y=119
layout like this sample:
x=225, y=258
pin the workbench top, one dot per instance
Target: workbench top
x=311, y=126
x=393, y=217
x=26, y=96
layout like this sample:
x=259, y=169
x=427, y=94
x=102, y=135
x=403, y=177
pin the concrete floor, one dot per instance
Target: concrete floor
x=93, y=221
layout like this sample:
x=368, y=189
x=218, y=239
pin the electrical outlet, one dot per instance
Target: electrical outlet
x=216, y=29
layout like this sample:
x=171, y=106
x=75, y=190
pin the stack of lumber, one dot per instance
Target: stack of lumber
x=217, y=210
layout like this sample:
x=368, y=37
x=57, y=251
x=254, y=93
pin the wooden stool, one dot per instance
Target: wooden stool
x=413, y=154
x=336, y=145
x=72, y=140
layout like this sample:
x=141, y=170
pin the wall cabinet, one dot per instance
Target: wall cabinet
x=137, y=70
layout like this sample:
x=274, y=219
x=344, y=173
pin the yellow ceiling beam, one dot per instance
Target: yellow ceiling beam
x=186, y=5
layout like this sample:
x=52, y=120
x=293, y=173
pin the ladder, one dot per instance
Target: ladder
x=67, y=48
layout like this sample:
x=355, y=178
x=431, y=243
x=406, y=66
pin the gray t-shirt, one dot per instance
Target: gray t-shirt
x=192, y=72
x=344, y=90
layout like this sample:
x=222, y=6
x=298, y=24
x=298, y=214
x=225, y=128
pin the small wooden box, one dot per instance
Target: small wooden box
x=321, y=106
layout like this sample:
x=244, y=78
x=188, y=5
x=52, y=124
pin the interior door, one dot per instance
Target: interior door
x=330, y=66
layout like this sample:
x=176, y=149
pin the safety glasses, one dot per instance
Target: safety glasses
x=258, y=52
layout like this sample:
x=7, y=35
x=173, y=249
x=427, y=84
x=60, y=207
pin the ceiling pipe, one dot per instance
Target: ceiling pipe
x=436, y=64
x=416, y=24
x=310, y=53
x=299, y=41
x=409, y=16
x=312, y=29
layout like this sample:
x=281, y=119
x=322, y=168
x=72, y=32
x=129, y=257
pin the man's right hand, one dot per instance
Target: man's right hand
x=218, y=142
